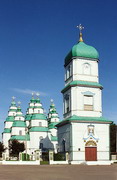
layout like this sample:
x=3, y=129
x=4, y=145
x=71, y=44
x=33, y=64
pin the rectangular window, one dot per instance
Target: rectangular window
x=40, y=124
x=88, y=103
x=67, y=103
x=68, y=71
x=20, y=132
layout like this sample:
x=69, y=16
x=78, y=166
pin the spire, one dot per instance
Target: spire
x=19, y=108
x=13, y=101
x=80, y=27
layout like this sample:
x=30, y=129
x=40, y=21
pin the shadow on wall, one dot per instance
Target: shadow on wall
x=46, y=144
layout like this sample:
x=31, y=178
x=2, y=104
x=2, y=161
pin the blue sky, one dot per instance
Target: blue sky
x=36, y=35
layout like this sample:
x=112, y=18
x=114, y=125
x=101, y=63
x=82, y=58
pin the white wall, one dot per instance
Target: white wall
x=79, y=73
x=15, y=130
x=77, y=101
x=35, y=140
x=36, y=123
x=8, y=124
x=75, y=143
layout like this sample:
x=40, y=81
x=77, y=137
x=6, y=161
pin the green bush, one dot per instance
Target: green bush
x=25, y=157
x=59, y=157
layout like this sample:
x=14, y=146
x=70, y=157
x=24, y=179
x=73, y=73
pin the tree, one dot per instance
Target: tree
x=2, y=149
x=112, y=138
x=15, y=148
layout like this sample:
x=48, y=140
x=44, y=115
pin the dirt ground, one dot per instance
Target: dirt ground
x=58, y=172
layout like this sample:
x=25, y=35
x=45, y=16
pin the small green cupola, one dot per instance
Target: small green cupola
x=52, y=115
x=81, y=50
x=19, y=111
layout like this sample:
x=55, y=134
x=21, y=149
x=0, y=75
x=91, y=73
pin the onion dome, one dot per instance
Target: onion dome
x=53, y=117
x=82, y=50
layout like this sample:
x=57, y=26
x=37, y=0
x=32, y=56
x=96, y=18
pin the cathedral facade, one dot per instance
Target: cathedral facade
x=34, y=129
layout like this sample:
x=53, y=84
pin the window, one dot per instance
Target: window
x=40, y=124
x=66, y=103
x=88, y=103
x=86, y=69
x=38, y=111
x=20, y=132
x=63, y=145
x=41, y=146
x=68, y=71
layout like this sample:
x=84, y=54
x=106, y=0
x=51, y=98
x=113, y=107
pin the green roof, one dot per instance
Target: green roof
x=19, y=123
x=84, y=119
x=82, y=50
x=53, y=111
x=31, y=107
x=21, y=138
x=38, y=116
x=38, y=129
x=37, y=100
x=82, y=83
x=40, y=107
x=28, y=117
x=13, y=103
x=14, y=110
x=52, y=125
x=10, y=118
x=52, y=106
x=54, y=138
x=33, y=100
x=19, y=109
x=7, y=130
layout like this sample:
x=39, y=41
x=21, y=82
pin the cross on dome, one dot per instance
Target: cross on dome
x=80, y=27
x=52, y=101
x=13, y=98
x=37, y=94
x=19, y=102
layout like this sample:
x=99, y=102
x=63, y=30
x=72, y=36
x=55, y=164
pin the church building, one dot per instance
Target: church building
x=35, y=129
x=84, y=132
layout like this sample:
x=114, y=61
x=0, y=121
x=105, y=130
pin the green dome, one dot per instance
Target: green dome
x=82, y=50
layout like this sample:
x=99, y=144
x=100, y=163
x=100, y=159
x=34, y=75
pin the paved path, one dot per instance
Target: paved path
x=58, y=172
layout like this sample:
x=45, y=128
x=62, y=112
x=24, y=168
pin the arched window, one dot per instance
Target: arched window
x=86, y=68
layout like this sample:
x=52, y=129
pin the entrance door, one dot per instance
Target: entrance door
x=91, y=153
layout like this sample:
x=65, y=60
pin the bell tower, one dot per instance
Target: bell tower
x=82, y=91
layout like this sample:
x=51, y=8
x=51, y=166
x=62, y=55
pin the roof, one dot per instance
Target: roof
x=7, y=130
x=52, y=125
x=38, y=116
x=82, y=50
x=54, y=138
x=82, y=83
x=19, y=123
x=10, y=119
x=38, y=129
x=80, y=119
x=21, y=138
x=28, y=117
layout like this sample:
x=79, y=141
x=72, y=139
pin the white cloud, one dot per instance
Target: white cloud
x=28, y=91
